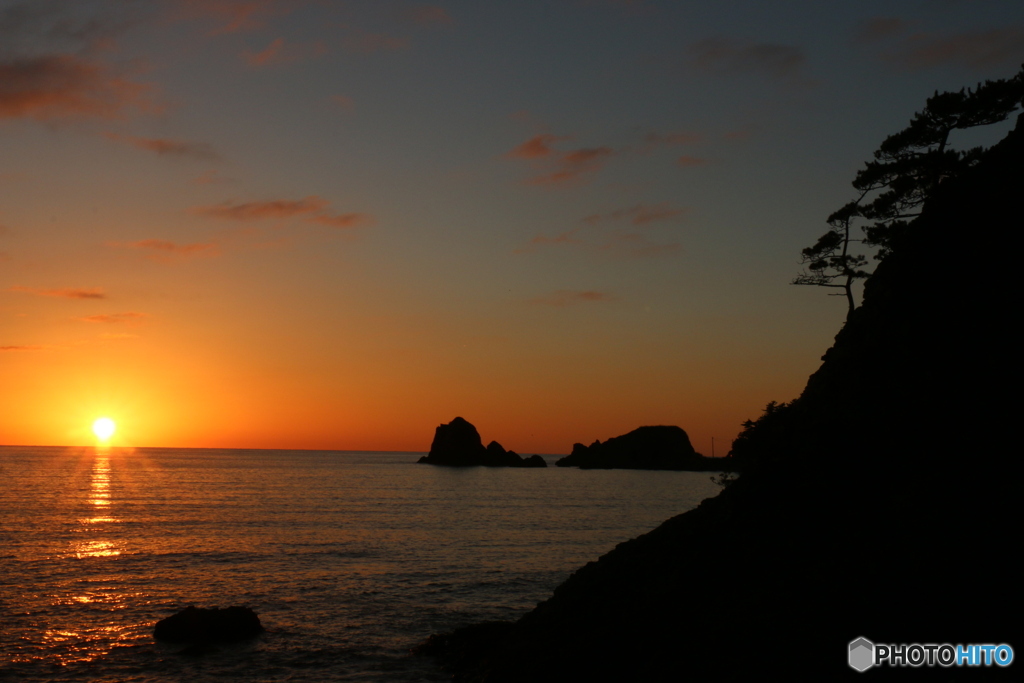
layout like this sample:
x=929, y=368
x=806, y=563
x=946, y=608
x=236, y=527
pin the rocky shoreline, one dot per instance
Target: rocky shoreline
x=865, y=509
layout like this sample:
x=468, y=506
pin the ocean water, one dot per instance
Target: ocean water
x=350, y=559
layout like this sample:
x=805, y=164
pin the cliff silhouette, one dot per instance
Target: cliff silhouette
x=883, y=502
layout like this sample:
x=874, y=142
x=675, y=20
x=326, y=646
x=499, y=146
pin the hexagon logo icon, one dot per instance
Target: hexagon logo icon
x=862, y=654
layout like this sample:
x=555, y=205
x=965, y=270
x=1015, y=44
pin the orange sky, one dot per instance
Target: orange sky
x=337, y=225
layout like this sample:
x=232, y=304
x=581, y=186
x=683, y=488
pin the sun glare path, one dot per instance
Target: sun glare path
x=104, y=428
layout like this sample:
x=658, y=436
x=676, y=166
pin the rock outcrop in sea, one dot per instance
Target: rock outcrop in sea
x=458, y=444
x=883, y=503
x=645, y=448
x=205, y=626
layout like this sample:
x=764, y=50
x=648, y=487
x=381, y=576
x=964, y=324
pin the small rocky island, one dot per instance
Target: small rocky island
x=645, y=448
x=458, y=444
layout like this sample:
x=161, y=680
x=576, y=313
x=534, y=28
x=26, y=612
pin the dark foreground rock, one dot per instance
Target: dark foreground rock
x=458, y=444
x=201, y=626
x=645, y=448
x=883, y=503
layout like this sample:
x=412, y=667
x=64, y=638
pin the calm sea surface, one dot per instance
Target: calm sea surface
x=349, y=558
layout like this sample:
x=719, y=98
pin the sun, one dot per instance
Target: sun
x=104, y=428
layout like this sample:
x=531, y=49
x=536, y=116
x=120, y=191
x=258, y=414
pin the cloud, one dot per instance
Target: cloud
x=270, y=54
x=311, y=209
x=536, y=147
x=120, y=335
x=252, y=211
x=165, y=147
x=162, y=250
x=65, y=293
x=879, y=28
x=345, y=220
x=563, y=167
x=114, y=318
x=971, y=49
x=639, y=214
x=774, y=60
x=574, y=165
x=568, y=297
x=428, y=15
x=63, y=87
x=22, y=348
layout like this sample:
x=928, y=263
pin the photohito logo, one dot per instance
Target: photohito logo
x=863, y=654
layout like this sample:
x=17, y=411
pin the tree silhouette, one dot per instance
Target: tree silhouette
x=906, y=169
x=829, y=262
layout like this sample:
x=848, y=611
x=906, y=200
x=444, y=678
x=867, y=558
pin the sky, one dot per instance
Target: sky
x=334, y=224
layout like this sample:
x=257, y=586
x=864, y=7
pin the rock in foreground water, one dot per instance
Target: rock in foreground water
x=202, y=625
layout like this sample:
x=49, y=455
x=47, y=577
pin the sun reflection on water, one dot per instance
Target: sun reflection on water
x=100, y=498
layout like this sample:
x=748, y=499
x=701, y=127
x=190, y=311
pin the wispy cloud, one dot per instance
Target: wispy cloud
x=537, y=147
x=22, y=348
x=639, y=214
x=563, y=167
x=774, y=60
x=252, y=211
x=63, y=293
x=165, y=147
x=570, y=297
x=66, y=87
x=311, y=209
x=114, y=318
x=971, y=49
x=271, y=53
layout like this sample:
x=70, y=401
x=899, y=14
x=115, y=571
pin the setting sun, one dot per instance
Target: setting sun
x=103, y=428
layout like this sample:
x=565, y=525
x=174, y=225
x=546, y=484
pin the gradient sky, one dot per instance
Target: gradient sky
x=329, y=224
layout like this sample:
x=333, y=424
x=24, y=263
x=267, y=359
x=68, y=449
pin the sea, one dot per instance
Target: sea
x=349, y=558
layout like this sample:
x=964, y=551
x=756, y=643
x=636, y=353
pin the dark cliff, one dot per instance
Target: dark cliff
x=884, y=502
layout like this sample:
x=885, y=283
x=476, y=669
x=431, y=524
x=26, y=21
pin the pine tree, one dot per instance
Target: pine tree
x=907, y=168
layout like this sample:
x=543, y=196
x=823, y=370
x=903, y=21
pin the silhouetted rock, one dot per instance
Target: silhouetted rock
x=535, y=461
x=202, y=626
x=882, y=503
x=458, y=444
x=646, y=448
